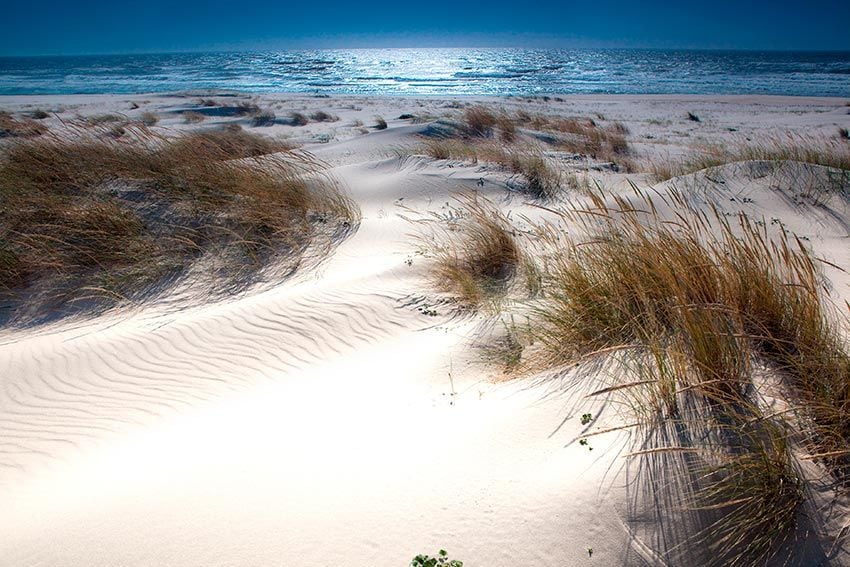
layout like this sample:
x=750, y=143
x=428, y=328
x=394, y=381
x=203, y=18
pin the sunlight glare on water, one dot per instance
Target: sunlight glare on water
x=455, y=71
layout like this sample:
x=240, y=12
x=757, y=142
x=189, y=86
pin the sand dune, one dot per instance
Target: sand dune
x=326, y=420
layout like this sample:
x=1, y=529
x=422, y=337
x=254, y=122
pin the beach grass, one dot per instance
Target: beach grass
x=476, y=252
x=514, y=143
x=88, y=219
x=778, y=148
x=297, y=119
x=479, y=121
x=688, y=309
x=10, y=127
x=322, y=116
x=192, y=117
x=265, y=117
x=539, y=177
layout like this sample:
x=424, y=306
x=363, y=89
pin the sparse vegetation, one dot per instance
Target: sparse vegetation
x=694, y=310
x=322, y=116
x=540, y=179
x=88, y=221
x=687, y=310
x=380, y=123
x=790, y=148
x=479, y=121
x=263, y=118
x=192, y=117
x=693, y=117
x=507, y=128
x=586, y=137
x=442, y=560
x=100, y=119
x=39, y=114
x=149, y=118
x=477, y=254
x=297, y=119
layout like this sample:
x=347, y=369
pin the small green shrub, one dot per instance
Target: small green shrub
x=442, y=560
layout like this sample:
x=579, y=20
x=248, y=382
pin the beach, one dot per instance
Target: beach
x=345, y=414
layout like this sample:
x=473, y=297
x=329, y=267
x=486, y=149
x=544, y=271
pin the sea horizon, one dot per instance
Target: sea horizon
x=448, y=71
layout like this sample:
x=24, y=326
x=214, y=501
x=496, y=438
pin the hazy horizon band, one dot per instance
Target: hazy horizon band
x=433, y=71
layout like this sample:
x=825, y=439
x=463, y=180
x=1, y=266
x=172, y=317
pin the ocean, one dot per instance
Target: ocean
x=454, y=71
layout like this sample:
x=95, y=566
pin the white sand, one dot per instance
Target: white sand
x=326, y=421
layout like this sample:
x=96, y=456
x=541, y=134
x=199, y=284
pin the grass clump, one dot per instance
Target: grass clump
x=244, y=108
x=226, y=144
x=688, y=310
x=263, y=118
x=539, y=178
x=476, y=254
x=479, y=121
x=507, y=128
x=322, y=116
x=89, y=222
x=149, y=118
x=448, y=148
x=192, y=117
x=586, y=137
x=380, y=123
x=297, y=119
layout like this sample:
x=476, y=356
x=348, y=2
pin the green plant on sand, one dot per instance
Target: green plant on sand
x=441, y=560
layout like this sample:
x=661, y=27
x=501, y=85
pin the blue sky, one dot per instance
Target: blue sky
x=114, y=26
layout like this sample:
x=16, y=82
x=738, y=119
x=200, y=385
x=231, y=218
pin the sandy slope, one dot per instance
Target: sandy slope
x=326, y=421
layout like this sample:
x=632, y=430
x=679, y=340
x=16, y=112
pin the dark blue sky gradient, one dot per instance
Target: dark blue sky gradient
x=116, y=26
